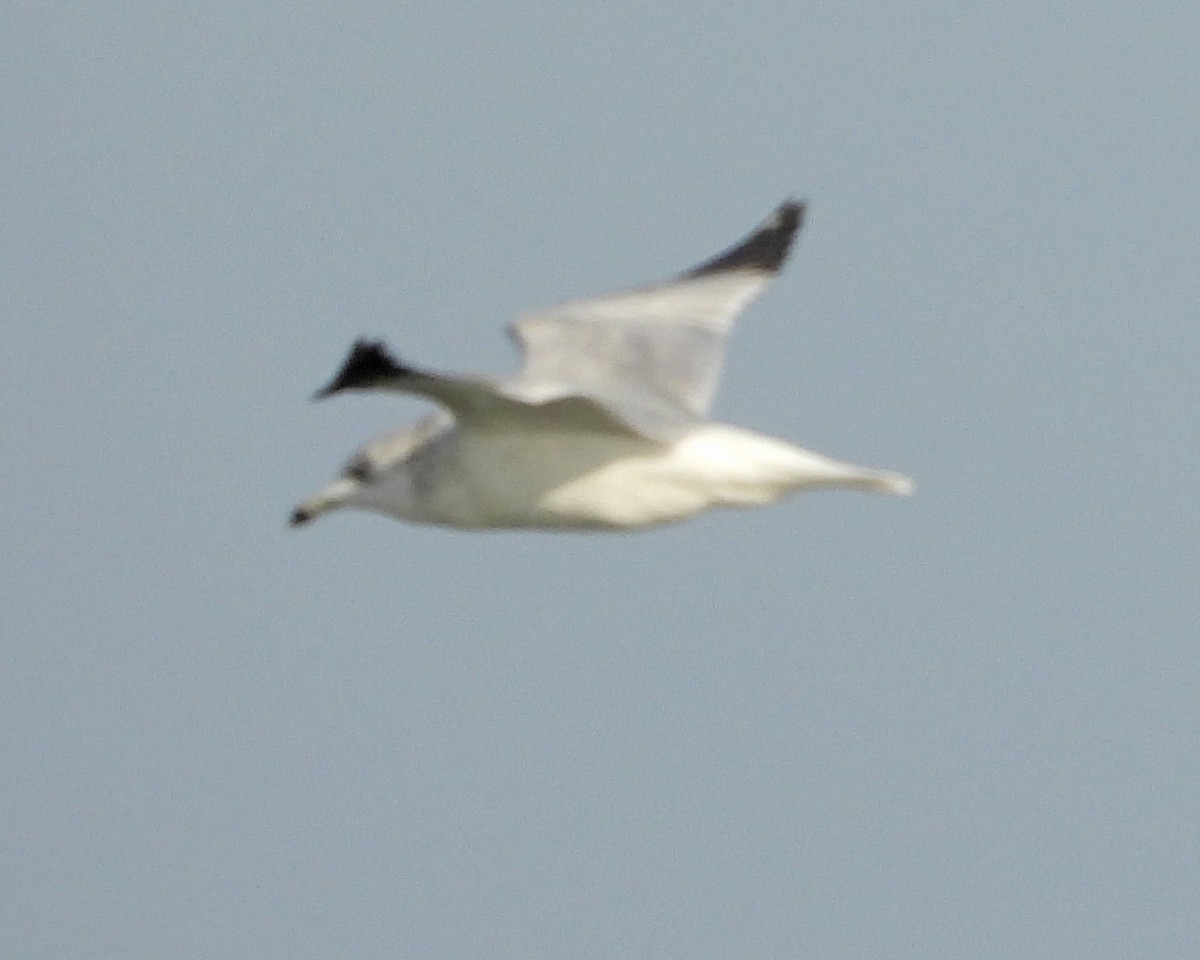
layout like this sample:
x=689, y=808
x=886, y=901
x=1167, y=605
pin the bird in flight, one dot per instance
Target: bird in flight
x=605, y=427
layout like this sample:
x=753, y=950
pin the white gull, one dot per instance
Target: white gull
x=605, y=428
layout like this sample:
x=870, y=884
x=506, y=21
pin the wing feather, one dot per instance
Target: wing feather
x=666, y=340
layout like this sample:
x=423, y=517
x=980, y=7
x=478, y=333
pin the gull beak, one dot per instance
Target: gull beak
x=300, y=516
x=333, y=496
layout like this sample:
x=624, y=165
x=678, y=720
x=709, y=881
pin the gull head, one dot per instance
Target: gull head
x=386, y=475
x=367, y=484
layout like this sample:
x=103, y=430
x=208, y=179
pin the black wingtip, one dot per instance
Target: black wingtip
x=765, y=249
x=299, y=517
x=367, y=364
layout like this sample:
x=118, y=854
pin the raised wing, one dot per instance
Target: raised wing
x=665, y=342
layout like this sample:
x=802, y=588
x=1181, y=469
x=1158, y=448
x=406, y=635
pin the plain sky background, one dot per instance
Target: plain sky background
x=965, y=725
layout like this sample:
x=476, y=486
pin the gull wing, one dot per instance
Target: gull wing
x=661, y=344
x=485, y=402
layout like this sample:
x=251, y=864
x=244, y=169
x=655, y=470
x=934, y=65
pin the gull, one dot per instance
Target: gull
x=605, y=427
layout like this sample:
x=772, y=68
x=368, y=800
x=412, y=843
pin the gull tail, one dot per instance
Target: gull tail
x=886, y=481
x=849, y=477
x=810, y=470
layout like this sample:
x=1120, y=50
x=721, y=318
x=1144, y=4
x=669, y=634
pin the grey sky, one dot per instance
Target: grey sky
x=964, y=725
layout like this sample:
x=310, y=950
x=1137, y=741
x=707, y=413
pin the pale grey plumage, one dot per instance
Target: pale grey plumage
x=605, y=425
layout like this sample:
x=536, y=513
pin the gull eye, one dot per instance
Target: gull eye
x=358, y=470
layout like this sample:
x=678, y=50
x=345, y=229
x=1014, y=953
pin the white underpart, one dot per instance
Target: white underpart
x=562, y=480
x=712, y=466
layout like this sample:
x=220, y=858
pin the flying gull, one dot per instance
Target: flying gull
x=606, y=426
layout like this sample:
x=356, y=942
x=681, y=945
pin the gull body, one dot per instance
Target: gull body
x=606, y=426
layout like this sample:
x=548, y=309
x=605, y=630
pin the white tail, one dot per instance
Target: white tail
x=885, y=481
